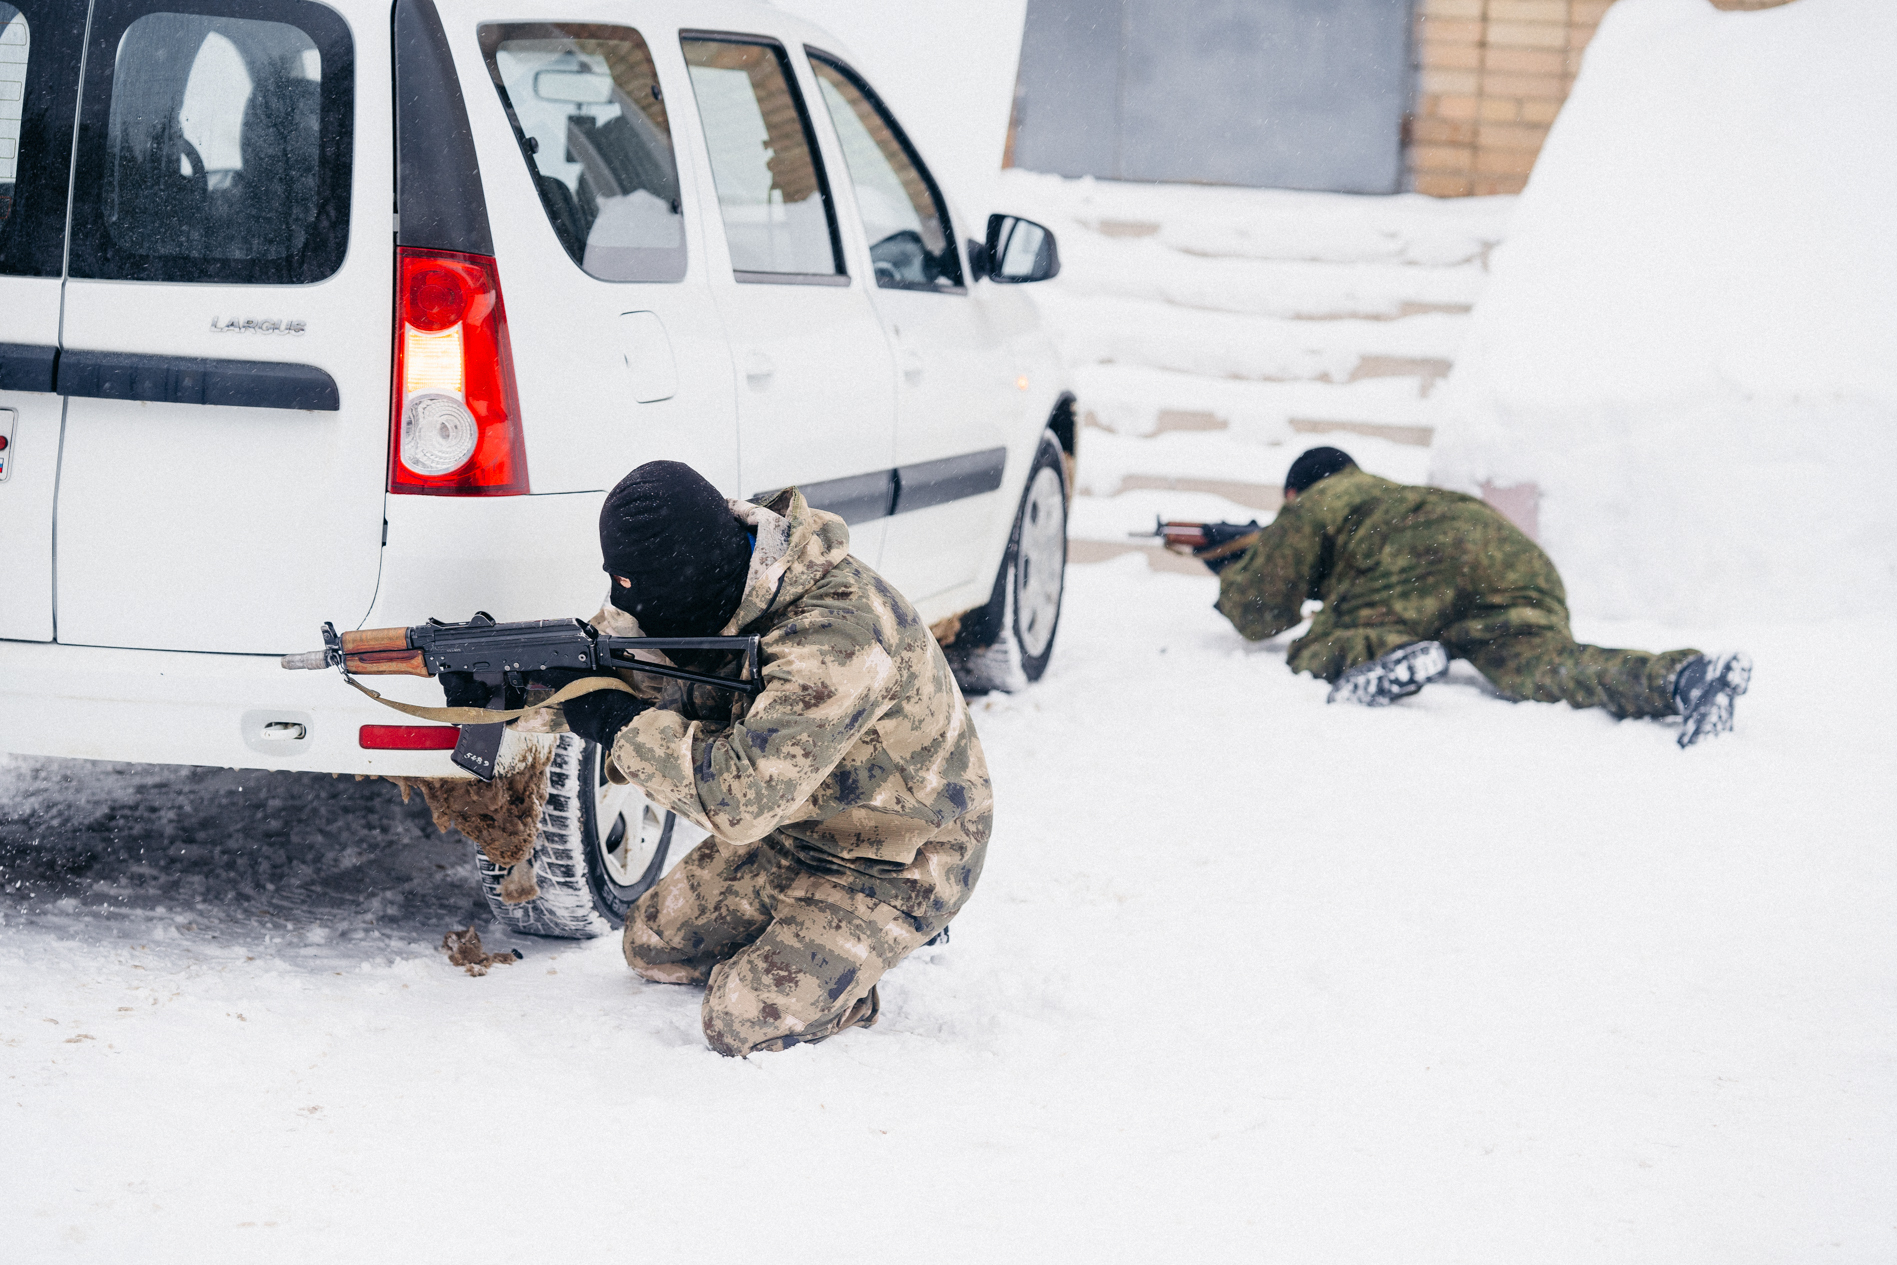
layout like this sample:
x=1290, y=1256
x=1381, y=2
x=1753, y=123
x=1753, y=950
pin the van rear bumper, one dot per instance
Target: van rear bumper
x=171, y=707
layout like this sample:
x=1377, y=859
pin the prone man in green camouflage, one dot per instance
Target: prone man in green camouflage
x=1412, y=577
x=848, y=802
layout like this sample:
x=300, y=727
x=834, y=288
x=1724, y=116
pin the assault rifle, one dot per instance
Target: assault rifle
x=510, y=659
x=1211, y=543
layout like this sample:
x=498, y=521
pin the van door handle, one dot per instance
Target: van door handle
x=912, y=366
x=758, y=369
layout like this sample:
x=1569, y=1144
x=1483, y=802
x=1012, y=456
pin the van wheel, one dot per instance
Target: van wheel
x=599, y=849
x=1006, y=645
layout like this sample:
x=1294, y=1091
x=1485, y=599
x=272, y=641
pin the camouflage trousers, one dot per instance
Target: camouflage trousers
x=786, y=955
x=1542, y=664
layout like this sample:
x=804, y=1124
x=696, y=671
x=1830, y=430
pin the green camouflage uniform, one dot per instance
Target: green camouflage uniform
x=1395, y=564
x=849, y=802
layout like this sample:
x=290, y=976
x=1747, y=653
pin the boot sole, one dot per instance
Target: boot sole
x=1713, y=715
x=1406, y=674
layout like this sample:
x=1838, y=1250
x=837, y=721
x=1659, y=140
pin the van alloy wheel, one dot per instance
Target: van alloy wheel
x=627, y=837
x=1040, y=562
x=588, y=877
x=1006, y=644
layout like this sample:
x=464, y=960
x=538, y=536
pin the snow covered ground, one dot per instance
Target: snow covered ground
x=1247, y=978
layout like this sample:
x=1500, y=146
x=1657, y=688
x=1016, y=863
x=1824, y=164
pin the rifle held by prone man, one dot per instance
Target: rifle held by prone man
x=1215, y=544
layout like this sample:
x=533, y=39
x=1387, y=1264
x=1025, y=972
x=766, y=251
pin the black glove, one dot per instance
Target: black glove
x=596, y=717
x=599, y=716
x=462, y=690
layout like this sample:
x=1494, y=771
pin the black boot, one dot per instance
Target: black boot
x=1703, y=690
x=1398, y=674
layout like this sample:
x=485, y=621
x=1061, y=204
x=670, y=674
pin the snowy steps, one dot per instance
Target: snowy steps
x=1214, y=333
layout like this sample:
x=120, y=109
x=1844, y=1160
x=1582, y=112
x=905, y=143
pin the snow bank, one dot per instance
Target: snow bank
x=1690, y=340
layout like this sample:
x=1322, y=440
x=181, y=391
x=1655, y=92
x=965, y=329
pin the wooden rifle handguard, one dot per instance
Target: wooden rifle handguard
x=386, y=663
x=368, y=640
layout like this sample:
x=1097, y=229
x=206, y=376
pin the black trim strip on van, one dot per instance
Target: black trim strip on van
x=27, y=367
x=859, y=498
x=938, y=482
x=115, y=375
x=438, y=198
x=864, y=498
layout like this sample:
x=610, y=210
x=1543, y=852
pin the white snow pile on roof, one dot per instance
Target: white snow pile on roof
x=1690, y=339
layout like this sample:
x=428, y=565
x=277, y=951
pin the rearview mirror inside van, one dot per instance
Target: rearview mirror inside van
x=580, y=87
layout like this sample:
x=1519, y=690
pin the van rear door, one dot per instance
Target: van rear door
x=39, y=89
x=226, y=338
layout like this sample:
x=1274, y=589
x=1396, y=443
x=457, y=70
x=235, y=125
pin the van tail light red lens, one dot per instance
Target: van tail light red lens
x=454, y=426
x=408, y=737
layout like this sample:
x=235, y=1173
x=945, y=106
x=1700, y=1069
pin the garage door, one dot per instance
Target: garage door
x=1291, y=94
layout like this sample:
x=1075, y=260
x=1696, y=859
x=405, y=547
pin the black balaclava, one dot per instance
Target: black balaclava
x=1315, y=464
x=671, y=533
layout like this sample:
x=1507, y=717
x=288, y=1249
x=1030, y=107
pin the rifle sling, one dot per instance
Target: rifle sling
x=485, y=716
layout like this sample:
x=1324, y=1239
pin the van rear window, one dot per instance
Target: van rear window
x=215, y=147
x=590, y=118
x=39, y=90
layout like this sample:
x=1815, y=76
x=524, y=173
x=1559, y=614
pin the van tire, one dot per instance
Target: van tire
x=1006, y=644
x=586, y=886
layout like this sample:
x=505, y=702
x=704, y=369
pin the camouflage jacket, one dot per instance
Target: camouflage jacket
x=859, y=755
x=1374, y=551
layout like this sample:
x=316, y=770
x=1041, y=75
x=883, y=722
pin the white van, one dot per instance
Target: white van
x=348, y=312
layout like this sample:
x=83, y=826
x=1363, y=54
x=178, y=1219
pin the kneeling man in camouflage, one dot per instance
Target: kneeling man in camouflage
x=848, y=802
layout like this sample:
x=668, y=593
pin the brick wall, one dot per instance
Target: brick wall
x=1491, y=76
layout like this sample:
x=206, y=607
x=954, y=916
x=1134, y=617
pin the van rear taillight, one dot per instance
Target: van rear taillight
x=455, y=424
x=408, y=737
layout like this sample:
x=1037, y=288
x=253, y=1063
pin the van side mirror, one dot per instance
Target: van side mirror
x=1017, y=251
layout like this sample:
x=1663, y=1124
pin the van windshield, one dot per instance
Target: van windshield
x=590, y=118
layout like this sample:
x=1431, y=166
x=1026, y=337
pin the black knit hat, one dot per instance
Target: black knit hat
x=1315, y=464
x=671, y=533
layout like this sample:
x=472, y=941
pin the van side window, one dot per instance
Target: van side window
x=590, y=117
x=215, y=148
x=39, y=89
x=779, y=220
x=911, y=242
